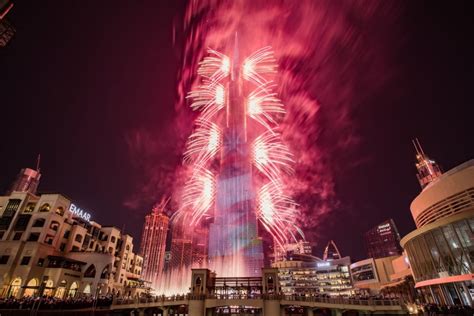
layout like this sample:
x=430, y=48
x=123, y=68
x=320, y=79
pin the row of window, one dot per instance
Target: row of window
x=44, y=208
x=24, y=261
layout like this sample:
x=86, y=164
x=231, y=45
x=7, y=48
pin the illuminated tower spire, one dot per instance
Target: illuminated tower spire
x=428, y=170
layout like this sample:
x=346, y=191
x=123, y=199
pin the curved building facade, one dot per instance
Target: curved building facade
x=441, y=249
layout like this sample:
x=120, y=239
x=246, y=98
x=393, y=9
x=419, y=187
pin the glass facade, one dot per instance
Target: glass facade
x=315, y=277
x=442, y=252
x=364, y=273
x=383, y=241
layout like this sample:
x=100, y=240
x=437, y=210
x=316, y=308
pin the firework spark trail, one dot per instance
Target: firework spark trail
x=198, y=194
x=215, y=67
x=271, y=156
x=209, y=99
x=260, y=63
x=277, y=213
x=263, y=105
x=203, y=144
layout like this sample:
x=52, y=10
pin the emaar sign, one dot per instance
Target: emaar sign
x=76, y=211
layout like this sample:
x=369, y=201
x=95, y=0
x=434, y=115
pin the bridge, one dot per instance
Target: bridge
x=267, y=305
x=259, y=296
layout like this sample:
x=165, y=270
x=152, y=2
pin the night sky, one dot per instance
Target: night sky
x=80, y=81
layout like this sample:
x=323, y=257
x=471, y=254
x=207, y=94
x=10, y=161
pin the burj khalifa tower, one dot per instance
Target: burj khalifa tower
x=237, y=159
x=235, y=248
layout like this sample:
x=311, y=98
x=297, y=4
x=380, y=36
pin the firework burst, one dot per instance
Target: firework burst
x=198, y=196
x=259, y=64
x=264, y=106
x=277, y=211
x=271, y=156
x=203, y=144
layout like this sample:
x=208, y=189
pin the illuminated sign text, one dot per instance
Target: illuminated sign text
x=79, y=212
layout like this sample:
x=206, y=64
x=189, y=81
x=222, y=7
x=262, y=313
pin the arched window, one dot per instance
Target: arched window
x=112, y=239
x=49, y=287
x=90, y=272
x=105, y=272
x=54, y=226
x=73, y=289
x=30, y=207
x=61, y=290
x=39, y=222
x=14, y=287
x=197, y=288
x=87, y=289
x=45, y=208
x=31, y=288
x=128, y=247
x=271, y=285
x=78, y=238
x=60, y=211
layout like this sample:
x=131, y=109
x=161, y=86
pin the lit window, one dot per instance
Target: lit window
x=45, y=208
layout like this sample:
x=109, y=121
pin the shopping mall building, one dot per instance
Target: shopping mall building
x=301, y=273
x=441, y=249
x=51, y=246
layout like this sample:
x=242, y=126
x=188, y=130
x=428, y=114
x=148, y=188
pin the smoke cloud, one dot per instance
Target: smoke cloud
x=332, y=56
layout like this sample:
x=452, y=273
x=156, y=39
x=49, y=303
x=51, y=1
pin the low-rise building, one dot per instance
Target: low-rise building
x=50, y=246
x=440, y=250
x=304, y=274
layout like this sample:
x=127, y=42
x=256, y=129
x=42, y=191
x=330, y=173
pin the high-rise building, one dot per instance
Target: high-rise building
x=440, y=251
x=6, y=29
x=234, y=244
x=237, y=158
x=26, y=181
x=383, y=240
x=153, y=243
x=181, y=249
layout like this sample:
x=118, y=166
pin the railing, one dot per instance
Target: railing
x=345, y=301
x=292, y=298
x=154, y=299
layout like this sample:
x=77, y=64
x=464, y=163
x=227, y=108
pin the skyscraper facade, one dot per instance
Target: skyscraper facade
x=383, y=240
x=27, y=180
x=234, y=240
x=153, y=243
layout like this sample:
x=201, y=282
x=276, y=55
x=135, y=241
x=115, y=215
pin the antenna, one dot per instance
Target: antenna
x=419, y=146
x=235, y=57
x=38, y=160
x=416, y=147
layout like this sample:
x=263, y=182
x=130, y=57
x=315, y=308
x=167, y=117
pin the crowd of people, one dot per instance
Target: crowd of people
x=434, y=309
x=50, y=302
